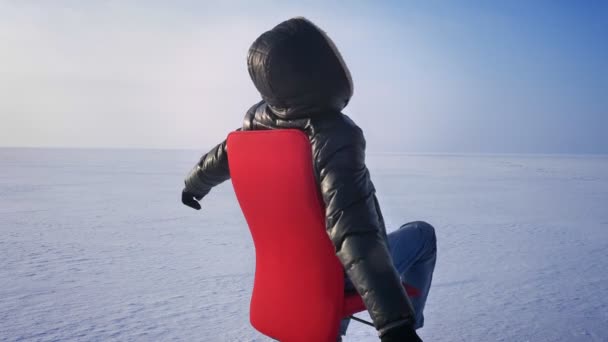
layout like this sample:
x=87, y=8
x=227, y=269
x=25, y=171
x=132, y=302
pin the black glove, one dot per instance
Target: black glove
x=190, y=199
x=402, y=333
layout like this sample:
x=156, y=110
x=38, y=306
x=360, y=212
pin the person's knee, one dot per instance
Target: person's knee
x=428, y=231
x=420, y=231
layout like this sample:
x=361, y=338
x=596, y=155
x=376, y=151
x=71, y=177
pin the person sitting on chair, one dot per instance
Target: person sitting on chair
x=304, y=84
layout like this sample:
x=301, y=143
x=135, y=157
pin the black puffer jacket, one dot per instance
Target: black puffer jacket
x=305, y=84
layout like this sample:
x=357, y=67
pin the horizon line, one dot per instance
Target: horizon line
x=368, y=152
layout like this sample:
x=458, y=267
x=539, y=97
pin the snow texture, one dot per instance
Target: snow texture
x=96, y=246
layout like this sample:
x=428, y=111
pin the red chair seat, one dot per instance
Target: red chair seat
x=353, y=303
x=298, y=291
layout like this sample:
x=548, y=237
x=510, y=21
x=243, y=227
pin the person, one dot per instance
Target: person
x=304, y=84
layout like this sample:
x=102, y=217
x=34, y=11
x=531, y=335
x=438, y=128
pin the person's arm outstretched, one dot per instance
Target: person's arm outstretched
x=211, y=170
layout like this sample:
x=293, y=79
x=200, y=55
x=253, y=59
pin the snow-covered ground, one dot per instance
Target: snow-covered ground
x=96, y=246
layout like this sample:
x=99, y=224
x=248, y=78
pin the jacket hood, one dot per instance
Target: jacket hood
x=298, y=70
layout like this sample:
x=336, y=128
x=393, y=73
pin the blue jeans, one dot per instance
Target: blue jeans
x=413, y=248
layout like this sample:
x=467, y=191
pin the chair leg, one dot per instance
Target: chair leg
x=361, y=320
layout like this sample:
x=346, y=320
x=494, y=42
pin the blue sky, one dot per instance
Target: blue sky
x=430, y=76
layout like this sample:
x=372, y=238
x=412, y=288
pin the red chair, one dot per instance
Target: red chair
x=298, y=291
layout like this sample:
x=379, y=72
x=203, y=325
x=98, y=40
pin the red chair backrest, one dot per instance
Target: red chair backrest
x=299, y=286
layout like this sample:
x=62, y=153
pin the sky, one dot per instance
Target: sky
x=429, y=76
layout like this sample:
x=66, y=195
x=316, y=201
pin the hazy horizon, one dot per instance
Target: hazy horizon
x=368, y=152
x=433, y=77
